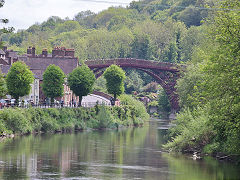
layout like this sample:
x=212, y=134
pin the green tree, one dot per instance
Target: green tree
x=133, y=82
x=115, y=77
x=211, y=87
x=222, y=77
x=53, y=80
x=4, y=21
x=81, y=81
x=141, y=46
x=85, y=18
x=163, y=102
x=67, y=26
x=171, y=53
x=19, y=79
x=3, y=86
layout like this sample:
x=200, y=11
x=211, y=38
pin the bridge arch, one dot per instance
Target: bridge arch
x=166, y=74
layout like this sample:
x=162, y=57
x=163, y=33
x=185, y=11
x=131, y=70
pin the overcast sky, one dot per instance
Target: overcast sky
x=24, y=13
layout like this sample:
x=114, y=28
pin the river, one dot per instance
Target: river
x=133, y=153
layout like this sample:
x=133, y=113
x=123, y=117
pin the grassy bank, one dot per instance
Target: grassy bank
x=23, y=121
x=197, y=132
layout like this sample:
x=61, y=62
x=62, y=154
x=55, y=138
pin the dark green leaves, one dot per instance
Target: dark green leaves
x=81, y=81
x=19, y=79
x=53, y=80
x=115, y=80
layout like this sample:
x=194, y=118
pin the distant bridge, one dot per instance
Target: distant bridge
x=166, y=74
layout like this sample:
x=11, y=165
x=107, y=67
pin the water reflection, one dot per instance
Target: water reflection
x=121, y=154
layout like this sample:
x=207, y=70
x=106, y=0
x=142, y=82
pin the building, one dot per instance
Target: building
x=7, y=57
x=62, y=57
x=34, y=92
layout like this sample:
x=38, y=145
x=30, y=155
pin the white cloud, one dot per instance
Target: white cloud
x=24, y=13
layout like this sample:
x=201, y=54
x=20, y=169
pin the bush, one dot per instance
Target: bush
x=192, y=132
x=104, y=118
x=23, y=121
x=139, y=113
x=15, y=121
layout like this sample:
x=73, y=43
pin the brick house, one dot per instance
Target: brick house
x=7, y=57
x=62, y=57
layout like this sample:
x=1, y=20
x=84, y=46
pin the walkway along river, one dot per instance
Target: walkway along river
x=133, y=153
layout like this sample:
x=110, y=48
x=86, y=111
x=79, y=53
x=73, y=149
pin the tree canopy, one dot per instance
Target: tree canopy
x=3, y=86
x=4, y=21
x=115, y=77
x=19, y=79
x=81, y=81
x=53, y=80
x=209, y=90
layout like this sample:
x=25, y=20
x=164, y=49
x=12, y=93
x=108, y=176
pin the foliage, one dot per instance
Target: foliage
x=19, y=79
x=3, y=86
x=163, y=102
x=22, y=121
x=16, y=122
x=151, y=87
x=133, y=82
x=67, y=26
x=141, y=47
x=104, y=118
x=4, y=21
x=210, y=88
x=100, y=85
x=114, y=76
x=151, y=31
x=53, y=79
x=81, y=81
x=153, y=103
x=188, y=87
x=222, y=77
x=140, y=112
x=192, y=132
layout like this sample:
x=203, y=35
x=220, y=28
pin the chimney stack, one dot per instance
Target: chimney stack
x=33, y=51
x=44, y=53
x=29, y=50
x=69, y=53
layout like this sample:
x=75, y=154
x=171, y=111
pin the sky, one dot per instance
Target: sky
x=24, y=13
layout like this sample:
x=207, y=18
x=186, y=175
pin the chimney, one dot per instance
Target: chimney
x=29, y=50
x=62, y=52
x=55, y=51
x=44, y=53
x=33, y=51
x=58, y=51
x=69, y=53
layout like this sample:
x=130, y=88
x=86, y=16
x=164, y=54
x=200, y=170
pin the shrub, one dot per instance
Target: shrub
x=15, y=121
x=193, y=131
x=104, y=118
x=138, y=107
x=67, y=119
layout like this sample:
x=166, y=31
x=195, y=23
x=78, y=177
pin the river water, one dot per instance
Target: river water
x=133, y=153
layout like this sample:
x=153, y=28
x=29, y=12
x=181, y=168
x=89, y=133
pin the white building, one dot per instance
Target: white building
x=34, y=92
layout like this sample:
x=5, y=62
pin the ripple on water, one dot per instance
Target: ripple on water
x=129, y=167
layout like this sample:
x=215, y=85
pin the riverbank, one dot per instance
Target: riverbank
x=39, y=120
x=194, y=133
